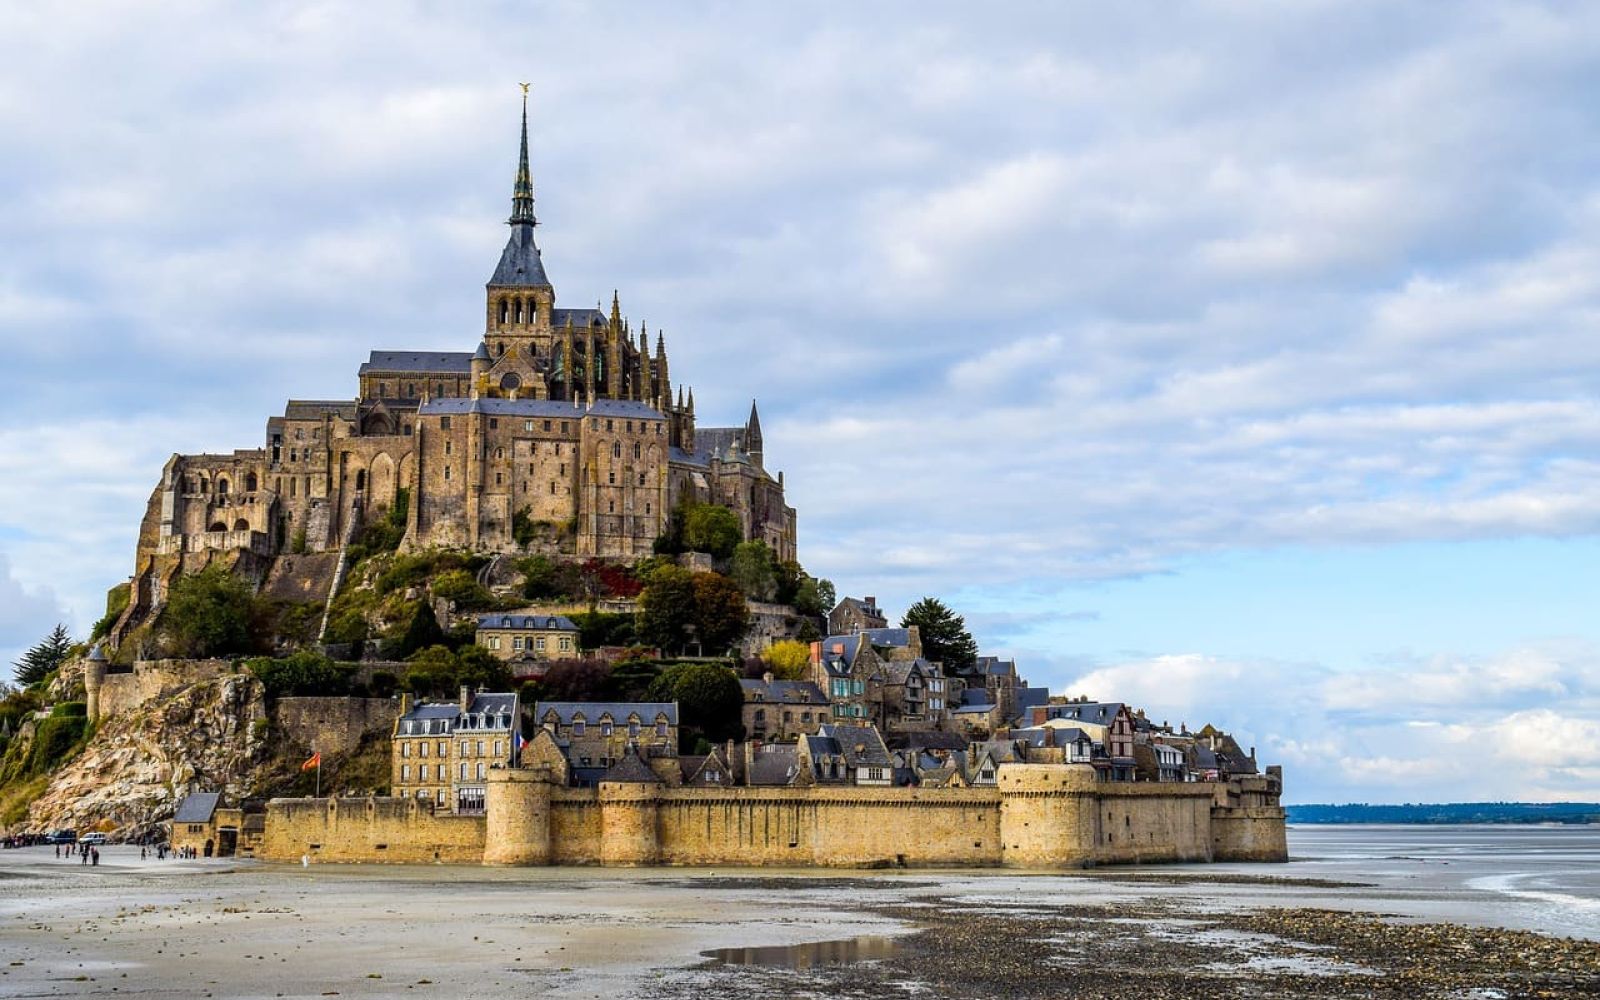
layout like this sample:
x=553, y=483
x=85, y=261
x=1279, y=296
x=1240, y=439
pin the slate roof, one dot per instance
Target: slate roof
x=782, y=692
x=632, y=770
x=861, y=746
x=993, y=666
x=931, y=739
x=580, y=318
x=1028, y=698
x=313, y=409
x=546, y=622
x=618, y=710
x=900, y=670
x=974, y=700
x=1099, y=713
x=539, y=408
x=773, y=765
x=197, y=807
x=520, y=265
x=427, y=362
x=895, y=637
x=492, y=704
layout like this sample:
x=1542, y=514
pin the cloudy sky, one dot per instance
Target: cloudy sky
x=1236, y=360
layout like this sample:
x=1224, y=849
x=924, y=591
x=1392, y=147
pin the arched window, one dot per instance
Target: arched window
x=222, y=486
x=241, y=525
x=616, y=449
x=217, y=526
x=499, y=453
x=636, y=449
x=505, y=311
x=510, y=381
x=250, y=482
x=519, y=310
x=361, y=480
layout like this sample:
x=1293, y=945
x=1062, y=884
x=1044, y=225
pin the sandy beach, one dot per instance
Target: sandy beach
x=243, y=929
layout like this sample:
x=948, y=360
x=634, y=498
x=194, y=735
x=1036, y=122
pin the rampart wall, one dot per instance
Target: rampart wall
x=1039, y=816
x=333, y=723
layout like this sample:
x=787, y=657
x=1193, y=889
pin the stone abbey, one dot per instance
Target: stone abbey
x=565, y=421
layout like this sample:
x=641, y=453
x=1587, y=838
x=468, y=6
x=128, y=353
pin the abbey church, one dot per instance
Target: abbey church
x=562, y=428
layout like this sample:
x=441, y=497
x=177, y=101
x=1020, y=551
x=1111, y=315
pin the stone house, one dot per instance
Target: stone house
x=846, y=755
x=528, y=637
x=442, y=752
x=851, y=616
x=211, y=829
x=1114, y=722
x=976, y=715
x=782, y=710
x=913, y=695
x=853, y=670
x=595, y=735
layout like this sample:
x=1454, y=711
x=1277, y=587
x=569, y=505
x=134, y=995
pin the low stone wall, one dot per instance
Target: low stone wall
x=333, y=723
x=123, y=691
x=370, y=829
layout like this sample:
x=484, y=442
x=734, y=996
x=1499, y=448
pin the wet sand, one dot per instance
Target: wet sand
x=242, y=929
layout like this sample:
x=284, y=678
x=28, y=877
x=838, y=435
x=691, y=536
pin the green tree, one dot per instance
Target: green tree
x=630, y=680
x=754, y=570
x=814, y=597
x=210, y=613
x=421, y=631
x=721, y=616
x=788, y=660
x=463, y=588
x=945, y=638
x=712, y=528
x=666, y=608
x=44, y=658
x=709, y=699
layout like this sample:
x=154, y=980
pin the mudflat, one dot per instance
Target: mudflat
x=244, y=929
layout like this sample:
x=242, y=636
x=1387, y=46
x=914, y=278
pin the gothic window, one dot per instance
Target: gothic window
x=519, y=313
x=222, y=487
x=616, y=449
x=636, y=449
x=505, y=310
x=499, y=453
x=510, y=381
x=250, y=482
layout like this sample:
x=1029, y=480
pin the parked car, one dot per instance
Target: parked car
x=61, y=837
x=93, y=839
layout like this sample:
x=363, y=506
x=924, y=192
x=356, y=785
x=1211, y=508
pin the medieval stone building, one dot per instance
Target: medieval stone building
x=562, y=422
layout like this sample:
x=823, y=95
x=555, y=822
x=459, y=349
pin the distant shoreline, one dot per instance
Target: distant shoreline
x=1448, y=814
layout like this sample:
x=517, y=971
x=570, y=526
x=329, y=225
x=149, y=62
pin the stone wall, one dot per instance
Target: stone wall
x=333, y=723
x=370, y=829
x=124, y=691
x=1039, y=816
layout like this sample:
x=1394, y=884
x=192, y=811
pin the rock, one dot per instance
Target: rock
x=137, y=766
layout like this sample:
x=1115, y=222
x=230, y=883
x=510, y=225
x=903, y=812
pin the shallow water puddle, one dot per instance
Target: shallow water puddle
x=867, y=948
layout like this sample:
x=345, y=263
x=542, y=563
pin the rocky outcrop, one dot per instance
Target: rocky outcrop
x=202, y=737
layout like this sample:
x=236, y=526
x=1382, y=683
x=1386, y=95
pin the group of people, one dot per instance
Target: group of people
x=87, y=854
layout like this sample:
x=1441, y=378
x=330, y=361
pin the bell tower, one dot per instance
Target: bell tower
x=520, y=297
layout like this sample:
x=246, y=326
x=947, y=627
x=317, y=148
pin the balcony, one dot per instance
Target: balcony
x=203, y=541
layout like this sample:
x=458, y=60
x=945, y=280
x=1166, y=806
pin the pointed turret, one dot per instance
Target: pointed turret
x=522, y=192
x=752, y=436
x=616, y=311
x=520, y=266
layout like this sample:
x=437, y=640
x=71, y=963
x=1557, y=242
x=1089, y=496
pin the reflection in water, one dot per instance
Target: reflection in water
x=805, y=956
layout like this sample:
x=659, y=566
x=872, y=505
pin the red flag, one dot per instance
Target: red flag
x=315, y=760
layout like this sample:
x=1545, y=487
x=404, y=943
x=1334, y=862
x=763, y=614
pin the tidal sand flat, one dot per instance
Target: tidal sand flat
x=1371, y=912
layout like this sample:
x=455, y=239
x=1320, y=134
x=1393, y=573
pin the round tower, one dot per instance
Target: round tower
x=628, y=811
x=1047, y=815
x=517, y=818
x=94, y=675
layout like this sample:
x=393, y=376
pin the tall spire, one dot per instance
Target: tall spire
x=522, y=194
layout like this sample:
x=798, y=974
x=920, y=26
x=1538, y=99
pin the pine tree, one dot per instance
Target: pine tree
x=38, y=663
x=945, y=638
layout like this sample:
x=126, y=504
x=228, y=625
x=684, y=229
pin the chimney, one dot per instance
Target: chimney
x=870, y=601
x=466, y=697
x=405, y=702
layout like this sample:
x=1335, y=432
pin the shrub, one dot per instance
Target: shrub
x=347, y=627
x=383, y=683
x=69, y=710
x=713, y=528
x=302, y=674
x=788, y=660
x=116, y=603
x=210, y=613
x=459, y=586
